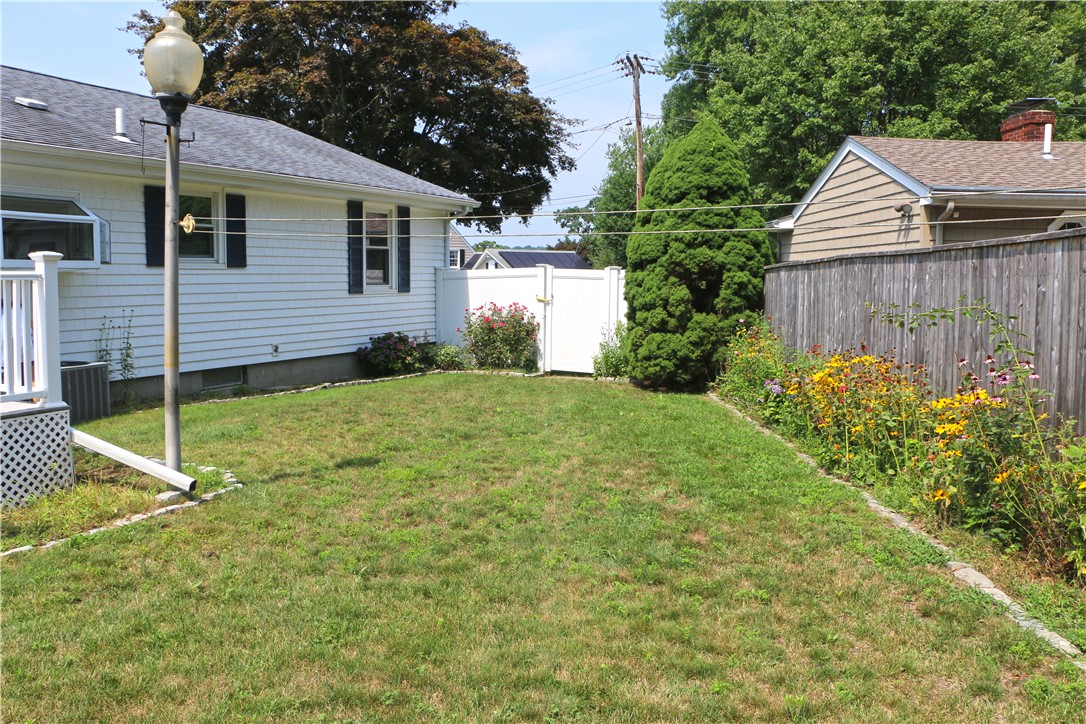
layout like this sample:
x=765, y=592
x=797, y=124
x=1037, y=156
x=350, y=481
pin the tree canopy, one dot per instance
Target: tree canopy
x=789, y=81
x=687, y=286
x=605, y=234
x=386, y=80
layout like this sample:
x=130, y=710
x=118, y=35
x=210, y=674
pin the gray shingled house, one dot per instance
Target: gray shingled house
x=883, y=194
x=524, y=259
x=302, y=250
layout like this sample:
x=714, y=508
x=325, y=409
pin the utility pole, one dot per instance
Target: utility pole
x=634, y=68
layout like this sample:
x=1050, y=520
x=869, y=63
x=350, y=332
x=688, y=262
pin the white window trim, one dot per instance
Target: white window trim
x=97, y=223
x=218, y=211
x=1078, y=215
x=390, y=215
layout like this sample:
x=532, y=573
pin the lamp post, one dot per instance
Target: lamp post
x=174, y=64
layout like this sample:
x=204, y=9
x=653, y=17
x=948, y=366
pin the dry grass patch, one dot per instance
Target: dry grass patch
x=627, y=556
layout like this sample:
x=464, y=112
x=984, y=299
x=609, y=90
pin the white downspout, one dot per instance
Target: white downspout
x=939, y=222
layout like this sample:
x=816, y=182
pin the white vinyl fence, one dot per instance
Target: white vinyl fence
x=575, y=308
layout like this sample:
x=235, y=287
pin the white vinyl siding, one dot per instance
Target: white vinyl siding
x=292, y=294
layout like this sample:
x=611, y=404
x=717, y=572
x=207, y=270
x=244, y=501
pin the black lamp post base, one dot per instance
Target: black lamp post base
x=173, y=106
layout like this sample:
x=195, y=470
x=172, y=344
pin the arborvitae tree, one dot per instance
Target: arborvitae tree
x=687, y=291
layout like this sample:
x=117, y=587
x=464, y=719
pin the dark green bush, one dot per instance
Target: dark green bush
x=390, y=354
x=688, y=286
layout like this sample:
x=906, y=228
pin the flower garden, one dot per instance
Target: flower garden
x=985, y=457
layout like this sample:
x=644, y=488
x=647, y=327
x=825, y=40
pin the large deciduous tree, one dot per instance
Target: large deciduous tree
x=384, y=79
x=789, y=81
x=688, y=286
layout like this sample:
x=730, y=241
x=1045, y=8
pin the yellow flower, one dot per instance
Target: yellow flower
x=950, y=429
x=1001, y=477
x=938, y=495
x=952, y=453
x=1082, y=485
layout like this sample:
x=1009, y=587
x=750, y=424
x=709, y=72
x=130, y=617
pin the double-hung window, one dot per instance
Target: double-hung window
x=219, y=237
x=201, y=243
x=35, y=223
x=378, y=250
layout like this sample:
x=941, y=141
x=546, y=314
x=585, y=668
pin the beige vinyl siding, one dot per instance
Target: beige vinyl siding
x=290, y=302
x=828, y=229
x=962, y=229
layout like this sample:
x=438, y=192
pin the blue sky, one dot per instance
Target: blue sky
x=568, y=48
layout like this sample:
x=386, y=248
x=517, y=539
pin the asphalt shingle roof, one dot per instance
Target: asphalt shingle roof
x=81, y=116
x=984, y=164
x=528, y=258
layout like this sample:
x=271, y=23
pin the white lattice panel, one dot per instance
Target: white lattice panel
x=37, y=455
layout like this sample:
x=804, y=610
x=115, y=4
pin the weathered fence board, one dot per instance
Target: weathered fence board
x=1039, y=279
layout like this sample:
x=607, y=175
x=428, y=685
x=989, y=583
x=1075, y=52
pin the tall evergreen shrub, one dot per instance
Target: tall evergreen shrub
x=687, y=291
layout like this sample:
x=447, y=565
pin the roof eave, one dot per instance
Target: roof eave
x=76, y=159
x=851, y=145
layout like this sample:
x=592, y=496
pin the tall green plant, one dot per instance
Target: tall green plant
x=695, y=261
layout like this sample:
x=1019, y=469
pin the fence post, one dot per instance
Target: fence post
x=614, y=292
x=47, y=322
x=546, y=299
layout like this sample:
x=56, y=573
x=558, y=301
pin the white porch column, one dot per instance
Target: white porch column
x=47, y=323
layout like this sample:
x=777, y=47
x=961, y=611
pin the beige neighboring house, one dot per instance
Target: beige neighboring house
x=459, y=249
x=883, y=194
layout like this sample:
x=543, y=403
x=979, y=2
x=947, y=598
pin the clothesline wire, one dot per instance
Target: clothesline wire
x=723, y=207
x=902, y=225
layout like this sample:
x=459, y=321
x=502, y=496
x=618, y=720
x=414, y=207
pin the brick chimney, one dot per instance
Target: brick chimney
x=1026, y=126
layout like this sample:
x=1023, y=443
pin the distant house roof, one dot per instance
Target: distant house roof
x=935, y=167
x=457, y=241
x=81, y=117
x=526, y=258
x=984, y=164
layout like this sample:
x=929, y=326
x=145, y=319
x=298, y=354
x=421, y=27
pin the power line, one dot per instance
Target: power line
x=575, y=75
x=578, y=90
x=574, y=84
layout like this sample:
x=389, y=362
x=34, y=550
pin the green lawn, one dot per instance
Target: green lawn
x=484, y=548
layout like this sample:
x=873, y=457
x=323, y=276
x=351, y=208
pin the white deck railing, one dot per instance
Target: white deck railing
x=30, y=332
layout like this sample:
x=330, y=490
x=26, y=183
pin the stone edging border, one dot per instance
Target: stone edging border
x=963, y=572
x=227, y=477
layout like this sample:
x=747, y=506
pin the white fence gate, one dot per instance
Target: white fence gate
x=575, y=308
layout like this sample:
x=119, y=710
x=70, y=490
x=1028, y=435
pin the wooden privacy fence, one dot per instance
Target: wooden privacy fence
x=575, y=308
x=1039, y=279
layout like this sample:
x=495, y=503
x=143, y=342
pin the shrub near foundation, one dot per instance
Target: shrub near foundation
x=390, y=354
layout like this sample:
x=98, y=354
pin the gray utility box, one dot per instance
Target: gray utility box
x=85, y=387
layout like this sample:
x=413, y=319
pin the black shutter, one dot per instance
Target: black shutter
x=154, y=215
x=356, y=253
x=236, y=256
x=403, y=249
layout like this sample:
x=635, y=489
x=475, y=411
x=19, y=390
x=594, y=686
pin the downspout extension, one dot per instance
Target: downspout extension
x=939, y=222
